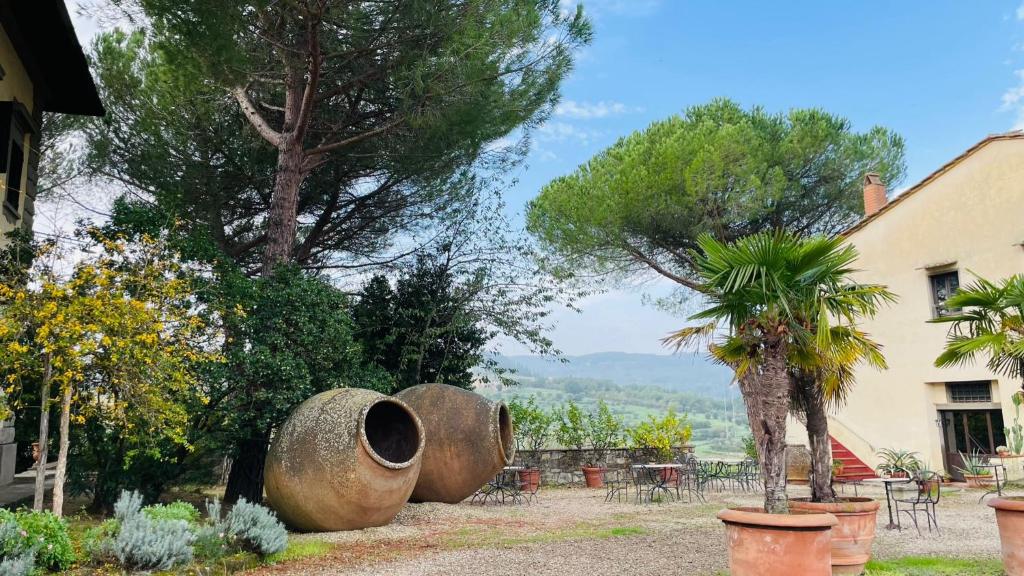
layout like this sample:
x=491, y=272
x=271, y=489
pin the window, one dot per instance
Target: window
x=969, y=392
x=944, y=285
x=12, y=197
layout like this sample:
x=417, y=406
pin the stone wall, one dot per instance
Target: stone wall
x=565, y=466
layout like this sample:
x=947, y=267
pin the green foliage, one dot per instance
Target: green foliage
x=990, y=322
x=144, y=543
x=570, y=426
x=897, y=460
x=973, y=464
x=173, y=511
x=531, y=423
x=1015, y=433
x=17, y=553
x=246, y=527
x=749, y=446
x=42, y=533
x=642, y=204
x=604, y=429
x=661, y=434
x=426, y=329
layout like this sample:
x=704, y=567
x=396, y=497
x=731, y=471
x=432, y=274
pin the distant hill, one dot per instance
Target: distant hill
x=688, y=372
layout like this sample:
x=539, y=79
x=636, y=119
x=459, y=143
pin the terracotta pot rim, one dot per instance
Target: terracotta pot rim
x=796, y=520
x=1010, y=503
x=366, y=441
x=841, y=505
x=598, y=468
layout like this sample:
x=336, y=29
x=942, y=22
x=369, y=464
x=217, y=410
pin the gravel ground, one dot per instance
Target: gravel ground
x=572, y=531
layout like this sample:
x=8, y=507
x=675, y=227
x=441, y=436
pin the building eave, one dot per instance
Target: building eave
x=44, y=37
x=1014, y=135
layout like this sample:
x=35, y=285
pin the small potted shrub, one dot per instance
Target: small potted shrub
x=604, y=431
x=571, y=432
x=837, y=467
x=661, y=435
x=974, y=471
x=532, y=425
x=898, y=463
x=1003, y=452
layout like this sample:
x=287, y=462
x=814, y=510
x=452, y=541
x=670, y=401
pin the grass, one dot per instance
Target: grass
x=917, y=566
x=299, y=549
x=503, y=538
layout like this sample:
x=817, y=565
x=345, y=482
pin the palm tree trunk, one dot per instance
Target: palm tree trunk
x=766, y=394
x=62, y=453
x=44, y=434
x=821, y=451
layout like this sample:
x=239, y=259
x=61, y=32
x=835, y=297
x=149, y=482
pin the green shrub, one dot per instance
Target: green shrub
x=750, y=446
x=143, y=543
x=173, y=511
x=17, y=555
x=256, y=529
x=44, y=533
x=661, y=434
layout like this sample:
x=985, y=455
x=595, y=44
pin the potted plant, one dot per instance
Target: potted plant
x=1015, y=433
x=532, y=425
x=1003, y=452
x=604, y=431
x=989, y=325
x=661, y=435
x=775, y=300
x=571, y=432
x=898, y=463
x=837, y=467
x=973, y=470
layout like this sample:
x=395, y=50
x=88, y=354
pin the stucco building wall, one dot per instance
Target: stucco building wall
x=969, y=218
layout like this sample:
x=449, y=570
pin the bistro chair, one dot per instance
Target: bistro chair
x=924, y=499
x=648, y=482
x=616, y=482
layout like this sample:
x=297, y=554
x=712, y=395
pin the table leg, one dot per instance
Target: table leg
x=888, y=504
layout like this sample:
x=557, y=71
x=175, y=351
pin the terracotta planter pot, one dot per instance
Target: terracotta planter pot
x=1010, y=517
x=852, y=536
x=670, y=476
x=345, y=459
x=762, y=544
x=978, y=481
x=593, y=476
x=469, y=440
x=530, y=478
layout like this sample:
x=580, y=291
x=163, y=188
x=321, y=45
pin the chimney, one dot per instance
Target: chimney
x=874, y=194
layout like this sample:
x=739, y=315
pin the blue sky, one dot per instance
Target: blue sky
x=942, y=73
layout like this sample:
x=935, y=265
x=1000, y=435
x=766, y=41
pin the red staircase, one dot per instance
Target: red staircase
x=853, y=468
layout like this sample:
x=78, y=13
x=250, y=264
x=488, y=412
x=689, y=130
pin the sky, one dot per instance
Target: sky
x=942, y=73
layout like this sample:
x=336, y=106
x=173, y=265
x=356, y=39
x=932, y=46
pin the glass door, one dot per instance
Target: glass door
x=967, y=431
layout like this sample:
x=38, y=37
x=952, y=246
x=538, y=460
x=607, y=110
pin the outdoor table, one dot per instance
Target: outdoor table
x=995, y=473
x=887, y=483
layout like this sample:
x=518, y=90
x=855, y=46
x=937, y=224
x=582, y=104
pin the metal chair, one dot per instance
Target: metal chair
x=615, y=483
x=648, y=482
x=924, y=499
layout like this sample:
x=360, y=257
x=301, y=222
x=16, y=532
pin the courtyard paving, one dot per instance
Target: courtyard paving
x=569, y=531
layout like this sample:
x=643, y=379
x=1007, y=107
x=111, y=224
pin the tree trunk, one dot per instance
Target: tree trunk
x=284, y=203
x=62, y=453
x=766, y=393
x=44, y=434
x=821, y=451
x=246, y=477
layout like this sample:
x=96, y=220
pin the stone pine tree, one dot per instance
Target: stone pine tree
x=393, y=95
x=638, y=208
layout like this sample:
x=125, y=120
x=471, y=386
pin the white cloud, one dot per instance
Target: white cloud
x=562, y=131
x=1020, y=12
x=590, y=110
x=1013, y=99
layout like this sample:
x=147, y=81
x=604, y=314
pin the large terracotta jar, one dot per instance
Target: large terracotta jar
x=469, y=440
x=852, y=536
x=762, y=544
x=593, y=476
x=1010, y=517
x=345, y=459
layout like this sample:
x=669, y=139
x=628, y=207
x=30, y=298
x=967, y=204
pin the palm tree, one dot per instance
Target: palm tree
x=990, y=322
x=781, y=302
